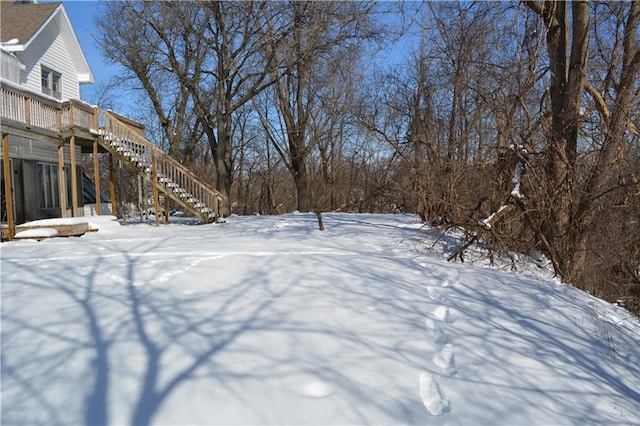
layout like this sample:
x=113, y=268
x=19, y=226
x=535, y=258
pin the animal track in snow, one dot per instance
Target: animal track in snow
x=436, y=332
x=441, y=313
x=316, y=389
x=445, y=360
x=432, y=396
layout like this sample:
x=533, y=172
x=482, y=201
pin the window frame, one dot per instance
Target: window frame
x=49, y=185
x=51, y=82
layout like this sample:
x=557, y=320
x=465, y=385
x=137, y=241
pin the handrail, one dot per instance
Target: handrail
x=36, y=111
x=167, y=167
x=27, y=110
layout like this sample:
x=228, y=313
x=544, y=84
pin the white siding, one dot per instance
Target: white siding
x=9, y=67
x=30, y=149
x=50, y=50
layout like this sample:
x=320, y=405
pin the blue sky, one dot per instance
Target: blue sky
x=81, y=14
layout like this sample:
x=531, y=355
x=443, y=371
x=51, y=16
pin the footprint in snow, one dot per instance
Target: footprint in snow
x=446, y=283
x=441, y=313
x=446, y=361
x=436, y=332
x=316, y=389
x=432, y=396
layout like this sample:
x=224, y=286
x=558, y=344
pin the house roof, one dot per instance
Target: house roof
x=25, y=21
x=22, y=21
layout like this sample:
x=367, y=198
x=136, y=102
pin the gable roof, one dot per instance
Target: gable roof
x=25, y=21
x=22, y=21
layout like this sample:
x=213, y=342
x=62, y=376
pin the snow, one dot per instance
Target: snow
x=267, y=320
x=57, y=221
x=36, y=233
x=515, y=192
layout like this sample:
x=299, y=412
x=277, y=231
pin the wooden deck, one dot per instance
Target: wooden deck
x=74, y=123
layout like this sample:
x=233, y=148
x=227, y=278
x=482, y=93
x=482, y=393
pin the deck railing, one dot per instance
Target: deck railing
x=30, y=110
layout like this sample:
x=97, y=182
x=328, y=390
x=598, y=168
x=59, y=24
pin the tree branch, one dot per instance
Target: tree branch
x=601, y=105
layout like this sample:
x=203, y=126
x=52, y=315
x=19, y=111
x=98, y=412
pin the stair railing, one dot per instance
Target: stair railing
x=203, y=199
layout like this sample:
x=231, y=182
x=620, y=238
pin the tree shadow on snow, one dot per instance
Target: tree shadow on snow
x=59, y=358
x=112, y=331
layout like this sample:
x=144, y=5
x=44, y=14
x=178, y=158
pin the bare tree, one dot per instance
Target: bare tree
x=575, y=189
x=319, y=30
x=202, y=59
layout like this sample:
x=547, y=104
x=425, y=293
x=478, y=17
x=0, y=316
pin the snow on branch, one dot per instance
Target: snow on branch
x=515, y=192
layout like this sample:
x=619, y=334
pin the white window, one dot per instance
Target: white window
x=51, y=82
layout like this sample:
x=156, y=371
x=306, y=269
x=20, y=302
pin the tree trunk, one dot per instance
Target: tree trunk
x=300, y=176
x=568, y=68
x=223, y=173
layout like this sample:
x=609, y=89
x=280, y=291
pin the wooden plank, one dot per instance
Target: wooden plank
x=20, y=129
x=63, y=230
x=154, y=186
x=112, y=186
x=27, y=112
x=8, y=195
x=165, y=217
x=74, y=177
x=96, y=176
x=62, y=182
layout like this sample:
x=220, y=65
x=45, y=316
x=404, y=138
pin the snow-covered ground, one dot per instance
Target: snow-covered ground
x=267, y=320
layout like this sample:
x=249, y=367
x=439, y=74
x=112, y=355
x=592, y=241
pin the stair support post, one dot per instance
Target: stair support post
x=112, y=186
x=165, y=216
x=74, y=176
x=8, y=193
x=62, y=182
x=154, y=177
x=96, y=176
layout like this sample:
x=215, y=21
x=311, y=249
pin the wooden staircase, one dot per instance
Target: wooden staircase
x=167, y=175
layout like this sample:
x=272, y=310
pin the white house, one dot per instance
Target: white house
x=47, y=57
x=45, y=126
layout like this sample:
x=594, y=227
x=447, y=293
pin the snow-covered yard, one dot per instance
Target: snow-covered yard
x=266, y=320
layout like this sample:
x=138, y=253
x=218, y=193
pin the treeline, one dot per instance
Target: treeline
x=517, y=121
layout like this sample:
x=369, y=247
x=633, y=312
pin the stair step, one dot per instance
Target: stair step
x=140, y=155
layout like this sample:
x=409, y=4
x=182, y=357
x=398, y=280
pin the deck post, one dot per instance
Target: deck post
x=62, y=182
x=94, y=121
x=27, y=111
x=96, y=176
x=140, y=198
x=154, y=186
x=59, y=120
x=70, y=116
x=112, y=186
x=165, y=217
x=8, y=193
x=74, y=176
